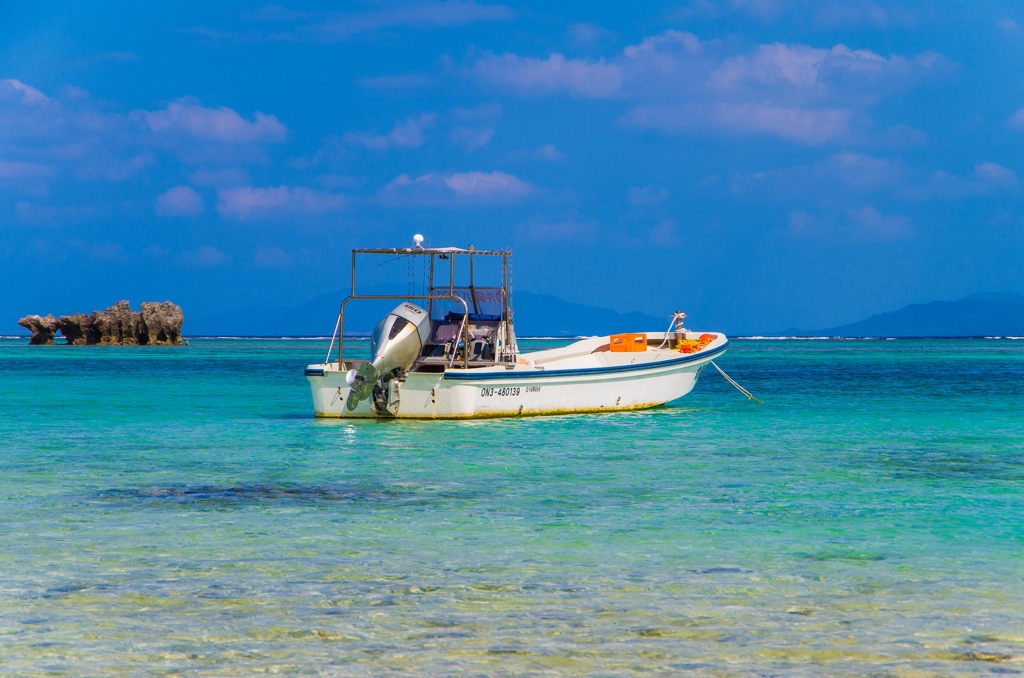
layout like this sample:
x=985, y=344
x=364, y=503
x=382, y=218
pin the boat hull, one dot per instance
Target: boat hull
x=564, y=385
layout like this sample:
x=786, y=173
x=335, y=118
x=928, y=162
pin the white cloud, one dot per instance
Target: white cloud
x=29, y=95
x=25, y=170
x=407, y=134
x=473, y=138
x=272, y=257
x=455, y=188
x=995, y=173
x=571, y=226
x=180, y=201
x=48, y=139
x=825, y=13
x=487, y=111
x=336, y=26
x=806, y=126
x=665, y=234
x=858, y=225
x=206, y=256
x=870, y=225
x=476, y=126
x=857, y=174
x=418, y=14
x=1016, y=121
x=556, y=74
x=486, y=184
x=220, y=125
x=1008, y=25
x=247, y=203
x=546, y=153
x=678, y=83
x=220, y=178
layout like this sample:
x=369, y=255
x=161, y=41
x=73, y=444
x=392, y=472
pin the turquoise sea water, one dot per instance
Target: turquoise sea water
x=173, y=511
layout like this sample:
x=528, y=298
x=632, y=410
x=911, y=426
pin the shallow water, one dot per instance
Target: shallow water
x=177, y=510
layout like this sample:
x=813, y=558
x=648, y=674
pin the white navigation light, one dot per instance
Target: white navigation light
x=418, y=239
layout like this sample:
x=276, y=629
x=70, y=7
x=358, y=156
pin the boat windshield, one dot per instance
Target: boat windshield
x=485, y=303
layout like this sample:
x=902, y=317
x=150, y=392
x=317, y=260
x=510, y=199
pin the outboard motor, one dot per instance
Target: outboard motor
x=396, y=344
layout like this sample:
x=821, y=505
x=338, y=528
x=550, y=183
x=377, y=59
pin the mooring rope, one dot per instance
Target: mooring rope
x=750, y=396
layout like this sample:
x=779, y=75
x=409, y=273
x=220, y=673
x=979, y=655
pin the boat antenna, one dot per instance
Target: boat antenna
x=418, y=239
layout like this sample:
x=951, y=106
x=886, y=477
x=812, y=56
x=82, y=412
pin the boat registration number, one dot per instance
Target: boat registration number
x=487, y=392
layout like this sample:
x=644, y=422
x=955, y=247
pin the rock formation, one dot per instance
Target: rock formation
x=42, y=329
x=77, y=329
x=118, y=325
x=159, y=324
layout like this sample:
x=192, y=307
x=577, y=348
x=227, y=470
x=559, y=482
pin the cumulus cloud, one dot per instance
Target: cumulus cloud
x=250, y=203
x=871, y=225
x=569, y=226
x=857, y=174
x=818, y=13
x=865, y=224
x=475, y=126
x=472, y=138
x=220, y=178
x=556, y=74
x=206, y=256
x=545, y=153
x=1008, y=25
x=294, y=25
x=24, y=170
x=221, y=124
x=28, y=94
x=272, y=257
x=456, y=188
x=806, y=126
x=407, y=134
x=1016, y=121
x=180, y=201
x=678, y=83
x=47, y=139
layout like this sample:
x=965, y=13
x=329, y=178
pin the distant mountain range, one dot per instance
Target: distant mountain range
x=536, y=315
x=988, y=314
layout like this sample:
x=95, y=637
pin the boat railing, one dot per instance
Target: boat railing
x=339, y=330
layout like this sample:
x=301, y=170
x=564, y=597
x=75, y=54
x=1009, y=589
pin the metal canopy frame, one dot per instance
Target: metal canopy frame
x=445, y=252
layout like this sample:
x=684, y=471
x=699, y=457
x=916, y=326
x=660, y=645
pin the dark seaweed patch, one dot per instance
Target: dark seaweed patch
x=230, y=496
x=850, y=557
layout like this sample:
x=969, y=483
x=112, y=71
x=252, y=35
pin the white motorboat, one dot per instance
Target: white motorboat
x=456, y=357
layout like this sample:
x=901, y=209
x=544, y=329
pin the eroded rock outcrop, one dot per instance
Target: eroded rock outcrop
x=159, y=324
x=118, y=325
x=78, y=329
x=42, y=328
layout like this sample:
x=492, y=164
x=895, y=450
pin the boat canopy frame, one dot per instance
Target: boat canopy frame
x=442, y=253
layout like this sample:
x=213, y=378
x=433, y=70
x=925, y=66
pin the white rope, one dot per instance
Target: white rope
x=750, y=396
x=669, y=330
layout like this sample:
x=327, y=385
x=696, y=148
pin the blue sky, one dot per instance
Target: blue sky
x=761, y=164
